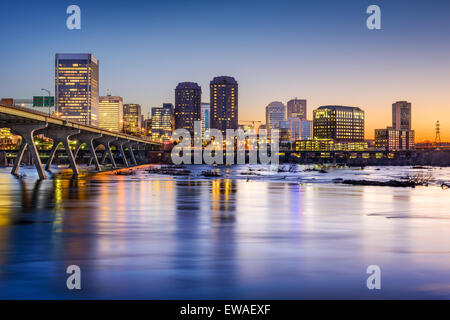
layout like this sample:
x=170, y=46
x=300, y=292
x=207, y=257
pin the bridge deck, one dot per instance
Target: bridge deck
x=9, y=115
x=28, y=123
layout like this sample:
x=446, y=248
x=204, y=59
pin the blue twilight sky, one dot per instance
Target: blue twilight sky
x=319, y=50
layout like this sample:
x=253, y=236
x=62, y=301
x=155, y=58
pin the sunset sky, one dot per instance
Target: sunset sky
x=317, y=50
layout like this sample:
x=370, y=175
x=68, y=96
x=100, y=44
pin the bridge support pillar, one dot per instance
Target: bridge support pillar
x=106, y=142
x=130, y=145
x=61, y=135
x=88, y=139
x=26, y=131
x=119, y=144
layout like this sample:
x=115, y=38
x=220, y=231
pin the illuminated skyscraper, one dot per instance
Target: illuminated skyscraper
x=296, y=108
x=339, y=123
x=188, y=97
x=76, y=87
x=401, y=115
x=275, y=113
x=110, y=113
x=162, y=122
x=223, y=103
x=132, y=117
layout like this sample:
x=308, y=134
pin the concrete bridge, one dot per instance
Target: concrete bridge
x=29, y=123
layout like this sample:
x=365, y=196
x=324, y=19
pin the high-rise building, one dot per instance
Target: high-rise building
x=188, y=96
x=162, y=122
x=296, y=108
x=110, y=113
x=339, y=123
x=275, y=113
x=205, y=117
x=223, y=103
x=401, y=115
x=132, y=116
x=76, y=87
x=399, y=136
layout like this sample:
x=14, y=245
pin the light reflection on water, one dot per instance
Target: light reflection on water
x=159, y=237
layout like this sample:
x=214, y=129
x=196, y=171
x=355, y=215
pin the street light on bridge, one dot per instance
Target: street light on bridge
x=49, y=104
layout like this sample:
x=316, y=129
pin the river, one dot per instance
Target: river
x=264, y=235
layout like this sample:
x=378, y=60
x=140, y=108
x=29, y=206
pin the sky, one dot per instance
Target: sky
x=319, y=50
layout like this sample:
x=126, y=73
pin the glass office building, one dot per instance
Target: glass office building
x=132, y=119
x=188, y=96
x=338, y=123
x=76, y=88
x=162, y=122
x=205, y=117
x=110, y=113
x=223, y=103
x=275, y=113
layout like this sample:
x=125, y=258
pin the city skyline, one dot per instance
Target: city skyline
x=347, y=65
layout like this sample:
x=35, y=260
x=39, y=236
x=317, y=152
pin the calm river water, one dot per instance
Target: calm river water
x=262, y=236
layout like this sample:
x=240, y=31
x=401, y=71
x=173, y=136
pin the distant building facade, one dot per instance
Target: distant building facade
x=400, y=136
x=338, y=123
x=132, y=117
x=76, y=88
x=206, y=112
x=296, y=108
x=306, y=130
x=275, y=113
x=223, y=103
x=147, y=125
x=188, y=96
x=110, y=113
x=391, y=139
x=162, y=122
x=330, y=145
x=401, y=115
x=285, y=132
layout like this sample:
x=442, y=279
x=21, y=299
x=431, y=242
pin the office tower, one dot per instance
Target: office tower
x=132, y=119
x=162, y=122
x=296, y=108
x=188, y=96
x=339, y=123
x=275, y=113
x=401, y=115
x=110, y=113
x=223, y=103
x=76, y=87
x=399, y=136
x=205, y=117
x=306, y=130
